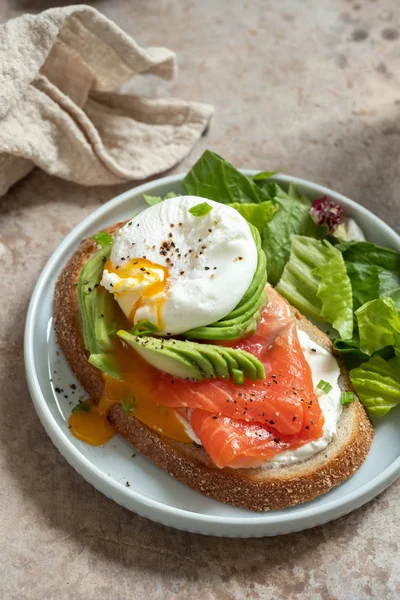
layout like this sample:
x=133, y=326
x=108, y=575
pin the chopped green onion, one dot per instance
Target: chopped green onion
x=127, y=407
x=81, y=407
x=346, y=398
x=103, y=238
x=144, y=327
x=324, y=386
x=200, y=209
x=238, y=377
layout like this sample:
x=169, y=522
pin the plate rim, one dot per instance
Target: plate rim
x=192, y=521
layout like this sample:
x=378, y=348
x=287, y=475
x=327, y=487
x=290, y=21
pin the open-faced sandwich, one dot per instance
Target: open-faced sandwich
x=172, y=325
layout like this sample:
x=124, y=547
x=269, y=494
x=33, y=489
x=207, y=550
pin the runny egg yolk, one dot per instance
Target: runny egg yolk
x=135, y=390
x=148, y=277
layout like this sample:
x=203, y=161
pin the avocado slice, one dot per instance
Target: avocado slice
x=232, y=330
x=192, y=360
x=199, y=358
x=88, y=282
x=104, y=326
x=106, y=363
x=245, y=364
x=100, y=313
x=157, y=353
x=228, y=357
x=261, y=270
x=259, y=301
x=242, y=308
x=220, y=367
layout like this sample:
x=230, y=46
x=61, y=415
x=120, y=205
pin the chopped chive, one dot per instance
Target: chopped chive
x=127, y=407
x=144, y=327
x=81, y=407
x=103, y=238
x=346, y=398
x=200, y=210
x=324, y=386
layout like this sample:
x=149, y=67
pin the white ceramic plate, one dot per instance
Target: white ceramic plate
x=151, y=492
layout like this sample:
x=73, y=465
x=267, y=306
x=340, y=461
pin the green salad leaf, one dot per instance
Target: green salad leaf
x=151, y=200
x=264, y=175
x=390, y=285
x=373, y=268
x=293, y=218
x=316, y=282
x=215, y=178
x=368, y=253
x=257, y=214
x=350, y=347
x=378, y=325
x=365, y=282
x=377, y=383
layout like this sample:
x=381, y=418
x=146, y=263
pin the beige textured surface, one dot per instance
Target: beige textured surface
x=310, y=87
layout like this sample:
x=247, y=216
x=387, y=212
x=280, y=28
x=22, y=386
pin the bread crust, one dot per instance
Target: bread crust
x=260, y=489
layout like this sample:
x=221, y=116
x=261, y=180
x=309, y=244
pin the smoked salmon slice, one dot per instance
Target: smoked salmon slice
x=241, y=445
x=278, y=402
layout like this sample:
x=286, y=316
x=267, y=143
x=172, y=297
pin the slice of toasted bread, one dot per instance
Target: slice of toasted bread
x=260, y=489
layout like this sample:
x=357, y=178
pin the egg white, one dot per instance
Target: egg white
x=211, y=262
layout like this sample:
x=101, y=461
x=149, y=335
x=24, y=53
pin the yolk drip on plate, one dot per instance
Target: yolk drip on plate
x=151, y=278
x=134, y=390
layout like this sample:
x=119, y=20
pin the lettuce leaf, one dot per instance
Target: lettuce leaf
x=377, y=383
x=378, y=325
x=215, y=178
x=257, y=214
x=293, y=218
x=316, y=282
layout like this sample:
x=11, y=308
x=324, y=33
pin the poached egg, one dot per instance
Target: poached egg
x=181, y=271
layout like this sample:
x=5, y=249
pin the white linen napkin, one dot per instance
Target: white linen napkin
x=60, y=108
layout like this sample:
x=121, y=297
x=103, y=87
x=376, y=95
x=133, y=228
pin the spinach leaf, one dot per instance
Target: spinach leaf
x=215, y=178
x=369, y=253
x=370, y=262
x=292, y=218
x=390, y=286
x=365, y=282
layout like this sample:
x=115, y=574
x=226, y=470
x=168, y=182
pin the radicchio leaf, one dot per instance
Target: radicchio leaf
x=326, y=212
